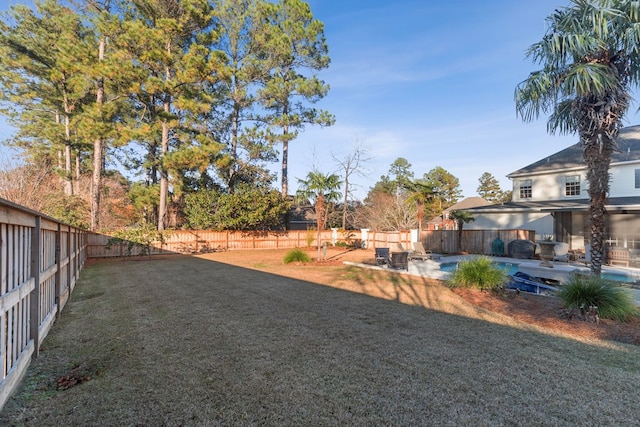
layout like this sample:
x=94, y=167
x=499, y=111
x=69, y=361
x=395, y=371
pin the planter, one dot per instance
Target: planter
x=546, y=253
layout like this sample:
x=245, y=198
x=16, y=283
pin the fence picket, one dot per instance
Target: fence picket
x=202, y=241
x=30, y=279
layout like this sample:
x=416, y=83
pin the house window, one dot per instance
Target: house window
x=572, y=185
x=637, y=178
x=525, y=189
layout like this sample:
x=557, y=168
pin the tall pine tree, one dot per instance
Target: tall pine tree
x=43, y=77
x=293, y=49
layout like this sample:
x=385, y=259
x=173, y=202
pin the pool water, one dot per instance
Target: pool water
x=508, y=267
x=511, y=269
x=618, y=277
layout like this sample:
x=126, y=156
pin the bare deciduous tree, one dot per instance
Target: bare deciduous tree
x=28, y=185
x=387, y=212
x=351, y=164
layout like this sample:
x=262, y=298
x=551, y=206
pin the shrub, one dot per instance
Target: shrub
x=141, y=237
x=612, y=301
x=480, y=273
x=311, y=234
x=296, y=255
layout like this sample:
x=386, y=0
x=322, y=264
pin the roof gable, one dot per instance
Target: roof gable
x=571, y=157
x=467, y=203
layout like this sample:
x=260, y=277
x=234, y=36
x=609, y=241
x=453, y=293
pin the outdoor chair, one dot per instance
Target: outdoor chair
x=586, y=257
x=618, y=256
x=561, y=252
x=419, y=252
x=382, y=256
x=399, y=260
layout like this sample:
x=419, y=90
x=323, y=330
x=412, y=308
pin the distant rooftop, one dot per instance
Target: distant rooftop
x=467, y=203
x=628, y=149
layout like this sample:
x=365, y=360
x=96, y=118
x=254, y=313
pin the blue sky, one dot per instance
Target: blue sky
x=430, y=81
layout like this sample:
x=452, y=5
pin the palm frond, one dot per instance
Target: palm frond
x=561, y=120
x=536, y=95
x=585, y=79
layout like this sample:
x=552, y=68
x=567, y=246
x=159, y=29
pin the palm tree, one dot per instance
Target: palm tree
x=420, y=193
x=590, y=61
x=319, y=189
x=460, y=217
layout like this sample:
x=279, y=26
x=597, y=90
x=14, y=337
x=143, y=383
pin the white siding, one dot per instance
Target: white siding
x=551, y=186
x=623, y=180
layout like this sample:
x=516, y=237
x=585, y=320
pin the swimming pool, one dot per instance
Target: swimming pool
x=512, y=268
x=508, y=267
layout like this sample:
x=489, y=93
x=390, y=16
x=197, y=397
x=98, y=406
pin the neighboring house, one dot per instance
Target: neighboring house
x=301, y=217
x=550, y=196
x=443, y=222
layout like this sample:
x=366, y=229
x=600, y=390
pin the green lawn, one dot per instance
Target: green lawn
x=195, y=342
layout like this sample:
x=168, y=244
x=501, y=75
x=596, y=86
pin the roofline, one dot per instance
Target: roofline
x=567, y=169
x=546, y=172
x=610, y=208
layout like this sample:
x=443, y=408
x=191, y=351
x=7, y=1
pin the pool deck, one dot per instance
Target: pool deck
x=560, y=271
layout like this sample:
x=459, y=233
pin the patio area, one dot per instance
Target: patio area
x=561, y=270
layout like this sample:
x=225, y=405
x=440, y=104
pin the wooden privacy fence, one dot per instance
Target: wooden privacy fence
x=446, y=241
x=472, y=241
x=40, y=260
x=192, y=241
x=202, y=241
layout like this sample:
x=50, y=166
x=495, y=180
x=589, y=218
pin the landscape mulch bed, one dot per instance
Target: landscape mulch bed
x=549, y=312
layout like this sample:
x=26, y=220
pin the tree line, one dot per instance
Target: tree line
x=185, y=95
x=397, y=201
x=166, y=113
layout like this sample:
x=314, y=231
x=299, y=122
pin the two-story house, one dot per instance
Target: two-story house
x=550, y=196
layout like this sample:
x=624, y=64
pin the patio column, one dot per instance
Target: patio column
x=334, y=236
x=364, y=234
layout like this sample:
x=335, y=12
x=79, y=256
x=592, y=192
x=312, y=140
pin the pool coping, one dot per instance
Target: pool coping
x=431, y=268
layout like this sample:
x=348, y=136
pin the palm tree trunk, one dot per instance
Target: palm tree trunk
x=319, y=218
x=597, y=152
x=345, y=202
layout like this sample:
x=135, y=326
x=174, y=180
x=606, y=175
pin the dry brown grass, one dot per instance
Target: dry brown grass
x=229, y=339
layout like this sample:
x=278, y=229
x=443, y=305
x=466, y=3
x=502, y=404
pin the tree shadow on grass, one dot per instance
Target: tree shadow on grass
x=193, y=341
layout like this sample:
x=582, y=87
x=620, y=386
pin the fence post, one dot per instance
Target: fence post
x=34, y=301
x=58, y=275
x=69, y=251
